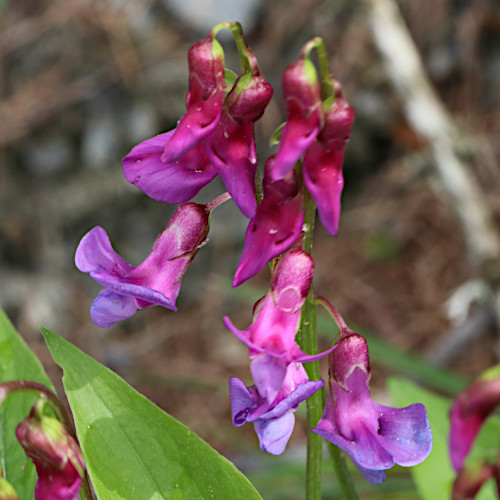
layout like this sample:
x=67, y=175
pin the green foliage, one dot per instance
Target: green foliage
x=133, y=449
x=17, y=362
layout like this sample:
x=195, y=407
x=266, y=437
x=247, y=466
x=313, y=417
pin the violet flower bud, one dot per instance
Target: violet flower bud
x=374, y=436
x=277, y=224
x=156, y=281
x=56, y=455
x=468, y=413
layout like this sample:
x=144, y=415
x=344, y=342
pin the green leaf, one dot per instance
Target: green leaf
x=133, y=449
x=17, y=362
x=434, y=477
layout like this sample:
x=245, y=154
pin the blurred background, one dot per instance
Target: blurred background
x=82, y=81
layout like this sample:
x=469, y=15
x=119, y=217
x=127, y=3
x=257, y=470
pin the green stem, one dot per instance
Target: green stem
x=309, y=341
x=326, y=84
x=343, y=475
x=315, y=403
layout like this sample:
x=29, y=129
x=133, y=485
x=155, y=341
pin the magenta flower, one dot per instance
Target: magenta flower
x=215, y=136
x=305, y=114
x=277, y=224
x=56, y=455
x=204, y=100
x=323, y=160
x=271, y=413
x=468, y=413
x=374, y=436
x=271, y=336
x=156, y=281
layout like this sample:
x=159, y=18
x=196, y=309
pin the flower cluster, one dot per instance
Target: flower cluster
x=215, y=137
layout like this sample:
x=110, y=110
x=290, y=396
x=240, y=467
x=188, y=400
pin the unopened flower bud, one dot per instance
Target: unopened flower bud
x=56, y=455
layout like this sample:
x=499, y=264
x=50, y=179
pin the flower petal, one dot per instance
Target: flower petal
x=231, y=150
x=363, y=449
x=373, y=476
x=122, y=287
x=405, y=433
x=242, y=400
x=95, y=252
x=175, y=182
x=301, y=393
x=274, y=434
x=273, y=230
x=109, y=307
x=268, y=373
x=324, y=179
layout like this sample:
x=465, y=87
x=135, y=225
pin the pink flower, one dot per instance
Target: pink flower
x=156, y=281
x=204, y=99
x=271, y=336
x=375, y=437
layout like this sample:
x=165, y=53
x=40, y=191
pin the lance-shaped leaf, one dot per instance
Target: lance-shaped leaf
x=133, y=449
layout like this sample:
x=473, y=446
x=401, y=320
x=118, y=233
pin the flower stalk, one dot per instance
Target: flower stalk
x=309, y=341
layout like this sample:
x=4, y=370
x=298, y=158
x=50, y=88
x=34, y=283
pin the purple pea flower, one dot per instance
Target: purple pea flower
x=323, y=160
x=56, y=455
x=272, y=414
x=156, y=281
x=271, y=336
x=468, y=413
x=204, y=99
x=277, y=224
x=375, y=437
x=172, y=167
x=301, y=92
